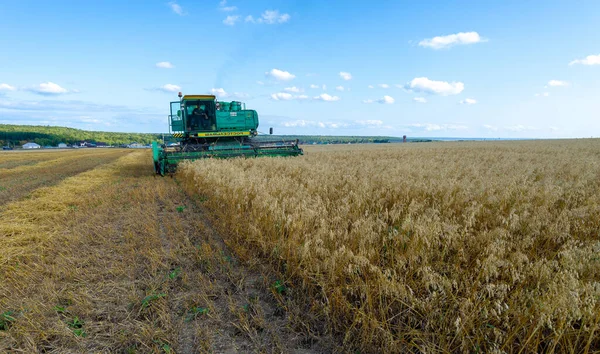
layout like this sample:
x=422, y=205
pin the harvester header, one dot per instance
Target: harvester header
x=205, y=127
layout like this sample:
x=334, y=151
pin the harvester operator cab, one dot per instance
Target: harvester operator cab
x=195, y=116
x=200, y=115
x=200, y=118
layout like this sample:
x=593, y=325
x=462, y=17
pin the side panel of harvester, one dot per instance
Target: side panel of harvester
x=243, y=120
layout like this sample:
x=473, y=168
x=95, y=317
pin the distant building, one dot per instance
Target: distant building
x=62, y=146
x=31, y=146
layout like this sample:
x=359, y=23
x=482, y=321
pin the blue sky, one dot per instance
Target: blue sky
x=420, y=68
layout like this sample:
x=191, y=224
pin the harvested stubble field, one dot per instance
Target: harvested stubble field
x=441, y=247
x=98, y=255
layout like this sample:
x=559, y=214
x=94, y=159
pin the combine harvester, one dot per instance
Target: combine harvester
x=205, y=128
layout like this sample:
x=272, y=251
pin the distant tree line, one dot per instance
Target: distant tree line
x=49, y=135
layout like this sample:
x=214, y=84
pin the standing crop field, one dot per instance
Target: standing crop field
x=443, y=247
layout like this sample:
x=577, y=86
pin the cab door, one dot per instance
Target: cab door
x=176, y=117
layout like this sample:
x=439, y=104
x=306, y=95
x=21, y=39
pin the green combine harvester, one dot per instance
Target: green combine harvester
x=205, y=128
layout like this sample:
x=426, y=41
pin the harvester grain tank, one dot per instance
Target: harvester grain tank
x=207, y=128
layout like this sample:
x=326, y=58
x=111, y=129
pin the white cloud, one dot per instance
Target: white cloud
x=231, y=20
x=423, y=84
x=68, y=112
x=468, y=101
x=62, y=106
x=176, y=8
x=519, y=128
x=311, y=123
x=293, y=89
x=88, y=119
x=420, y=100
x=436, y=127
x=313, y=86
x=260, y=83
x=490, y=127
x=324, y=87
x=371, y=86
x=7, y=87
x=370, y=122
x=223, y=7
x=49, y=88
x=326, y=97
x=384, y=100
x=336, y=125
x=346, y=76
x=589, y=60
x=384, y=85
x=545, y=94
x=280, y=75
x=554, y=129
x=269, y=17
x=298, y=123
x=170, y=88
x=556, y=83
x=221, y=93
x=339, y=88
x=282, y=96
x=164, y=65
x=273, y=16
x=218, y=91
x=450, y=40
